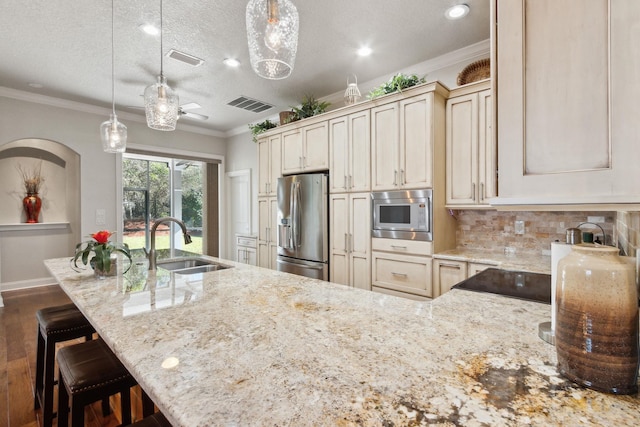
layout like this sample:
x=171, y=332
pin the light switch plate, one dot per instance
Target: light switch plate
x=101, y=217
x=519, y=227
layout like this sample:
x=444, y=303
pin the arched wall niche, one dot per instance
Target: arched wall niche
x=24, y=247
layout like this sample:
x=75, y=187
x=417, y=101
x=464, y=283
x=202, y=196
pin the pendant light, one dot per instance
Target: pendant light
x=113, y=133
x=272, y=34
x=160, y=101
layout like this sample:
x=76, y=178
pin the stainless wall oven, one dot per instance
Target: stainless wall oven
x=402, y=214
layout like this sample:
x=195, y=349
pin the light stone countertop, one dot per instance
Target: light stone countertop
x=249, y=346
x=532, y=263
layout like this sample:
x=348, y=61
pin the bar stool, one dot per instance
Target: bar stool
x=88, y=372
x=55, y=324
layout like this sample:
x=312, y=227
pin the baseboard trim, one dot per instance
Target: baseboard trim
x=25, y=284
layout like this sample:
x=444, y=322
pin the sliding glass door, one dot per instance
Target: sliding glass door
x=156, y=187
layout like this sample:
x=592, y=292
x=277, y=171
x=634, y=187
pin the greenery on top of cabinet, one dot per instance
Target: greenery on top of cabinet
x=310, y=107
x=258, y=128
x=396, y=84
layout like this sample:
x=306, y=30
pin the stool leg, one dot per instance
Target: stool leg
x=63, y=403
x=77, y=413
x=39, y=370
x=49, y=378
x=106, y=408
x=148, y=407
x=125, y=406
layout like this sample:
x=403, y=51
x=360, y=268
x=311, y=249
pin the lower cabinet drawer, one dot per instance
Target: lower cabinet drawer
x=404, y=273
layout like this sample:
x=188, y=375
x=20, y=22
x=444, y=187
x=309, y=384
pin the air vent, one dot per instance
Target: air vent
x=185, y=57
x=249, y=104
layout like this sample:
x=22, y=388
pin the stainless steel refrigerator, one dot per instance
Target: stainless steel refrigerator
x=303, y=235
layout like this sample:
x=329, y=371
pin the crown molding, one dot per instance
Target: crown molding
x=94, y=109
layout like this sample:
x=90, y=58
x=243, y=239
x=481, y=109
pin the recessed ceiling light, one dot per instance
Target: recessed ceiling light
x=456, y=12
x=364, y=51
x=150, y=29
x=231, y=62
x=36, y=85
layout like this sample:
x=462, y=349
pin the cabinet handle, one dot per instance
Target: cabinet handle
x=399, y=274
x=346, y=242
x=402, y=177
x=304, y=162
x=395, y=177
x=444, y=264
x=399, y=247
x=300, y=161
x=351, y=243
x=350, y=182
x=473, y=191
x=268, y=232
x=482, y=191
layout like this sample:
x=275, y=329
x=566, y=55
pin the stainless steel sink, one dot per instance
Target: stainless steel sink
x=191, y=265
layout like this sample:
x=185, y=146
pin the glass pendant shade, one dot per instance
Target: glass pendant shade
x=352, y=94
x=113, y=135
x=272, y=34
x=161, y=105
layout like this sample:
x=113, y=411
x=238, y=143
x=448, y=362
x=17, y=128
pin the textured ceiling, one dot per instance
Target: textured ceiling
x=65, y=45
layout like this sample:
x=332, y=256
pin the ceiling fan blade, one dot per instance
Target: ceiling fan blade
x=194, y=115
x=190, y=106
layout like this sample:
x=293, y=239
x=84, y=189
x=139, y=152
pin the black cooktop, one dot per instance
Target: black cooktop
x=515, y=284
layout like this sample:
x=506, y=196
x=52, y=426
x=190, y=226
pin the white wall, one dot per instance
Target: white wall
x=78, y=128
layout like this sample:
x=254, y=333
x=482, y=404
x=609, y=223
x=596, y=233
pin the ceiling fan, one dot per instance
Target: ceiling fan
x=182, y=111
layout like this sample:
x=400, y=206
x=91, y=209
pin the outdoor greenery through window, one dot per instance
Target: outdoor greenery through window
x=155, y=187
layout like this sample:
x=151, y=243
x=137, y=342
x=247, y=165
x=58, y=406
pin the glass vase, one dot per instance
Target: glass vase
x=102, y=274
x=596, y=333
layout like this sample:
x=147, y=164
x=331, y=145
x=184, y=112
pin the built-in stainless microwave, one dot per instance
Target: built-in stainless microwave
x=402, y=214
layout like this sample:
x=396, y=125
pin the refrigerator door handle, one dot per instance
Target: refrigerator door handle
x=296, y=216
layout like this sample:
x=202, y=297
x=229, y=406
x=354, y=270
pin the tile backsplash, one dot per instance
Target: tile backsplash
x=628, y=232
x=495, y=231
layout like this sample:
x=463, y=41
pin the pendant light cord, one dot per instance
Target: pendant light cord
x=161, y=61
x=113, y=73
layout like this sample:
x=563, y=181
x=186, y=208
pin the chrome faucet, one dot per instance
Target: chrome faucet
x=152, y=251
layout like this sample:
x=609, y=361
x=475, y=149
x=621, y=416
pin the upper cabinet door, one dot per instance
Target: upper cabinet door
x=567, y=107
x=338, y=154
x=292, y=152
x=275, y=166
x=462, y=150
x=416, y=142
x=359, y=177
x=315, y=147
x=384, y=147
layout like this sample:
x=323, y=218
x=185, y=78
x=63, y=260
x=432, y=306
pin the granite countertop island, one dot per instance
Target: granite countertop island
x=248, y=346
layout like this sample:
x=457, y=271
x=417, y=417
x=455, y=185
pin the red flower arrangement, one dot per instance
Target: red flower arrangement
x=102, y=249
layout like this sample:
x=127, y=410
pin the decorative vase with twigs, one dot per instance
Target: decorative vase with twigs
x=32, y=203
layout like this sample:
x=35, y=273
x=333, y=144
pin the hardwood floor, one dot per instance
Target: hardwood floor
x=18, y=333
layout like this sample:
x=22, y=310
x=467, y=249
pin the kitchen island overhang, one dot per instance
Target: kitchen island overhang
x=252, y=346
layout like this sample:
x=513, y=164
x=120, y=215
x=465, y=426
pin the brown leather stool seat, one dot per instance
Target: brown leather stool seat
x=89, y=372
x=55, y=324
x=155, y=420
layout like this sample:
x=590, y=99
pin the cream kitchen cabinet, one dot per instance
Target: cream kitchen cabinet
x=350, y=239
x=267, y=230
x=567, y=127
x=349, y=153
x=401, y=267
x=306, y=149
x=269, y=164
x=447, y=273
x=471, y=172
x=474, y=268
x=402, y=148
x=246, y=249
